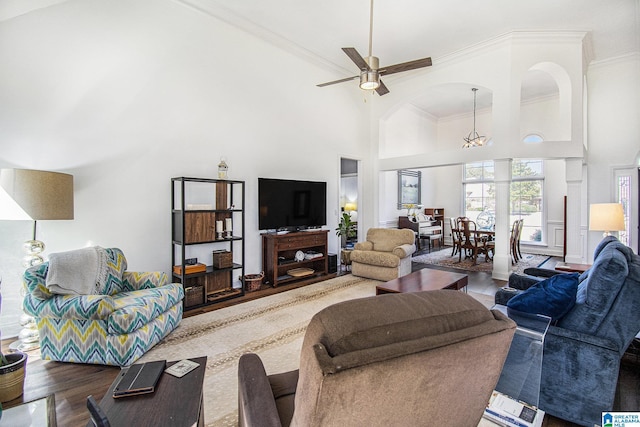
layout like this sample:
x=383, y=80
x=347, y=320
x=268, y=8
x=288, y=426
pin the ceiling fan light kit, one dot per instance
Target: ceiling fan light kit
x=370, y=71
x=474, y=139
x=369, y=80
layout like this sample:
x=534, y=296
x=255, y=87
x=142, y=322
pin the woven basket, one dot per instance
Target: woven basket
x=222, y=259
x=12, y=377
x=193, y=295
x=252, y=282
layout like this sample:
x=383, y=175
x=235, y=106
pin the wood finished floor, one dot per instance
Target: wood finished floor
x=72, y=383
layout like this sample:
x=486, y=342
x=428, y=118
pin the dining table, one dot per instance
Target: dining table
x=490, y=235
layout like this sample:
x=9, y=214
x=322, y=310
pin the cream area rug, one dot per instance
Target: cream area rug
x=273, y=327
x=444, y=258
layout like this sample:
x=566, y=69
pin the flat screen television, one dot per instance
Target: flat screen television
x=291, y=204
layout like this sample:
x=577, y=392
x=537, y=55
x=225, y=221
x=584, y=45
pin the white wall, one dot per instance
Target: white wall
x=441, y=188
x=125, y=95
x=555, y=188
x=540, y=116
x=417, y=131
x=498, y=67
x=613, y=128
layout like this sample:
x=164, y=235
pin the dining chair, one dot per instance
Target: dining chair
x=455, y=237
x=471, y=241
x=459, y=234
x=490, y=246
x=513, y=241
x=520, y=227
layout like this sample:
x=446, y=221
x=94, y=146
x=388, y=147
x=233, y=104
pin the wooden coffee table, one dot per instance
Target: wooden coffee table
x=427, y=279
x=175, y=402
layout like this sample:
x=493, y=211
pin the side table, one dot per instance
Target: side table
x=176, y=402
x=567, y=267
x=40, y=412
x=345, y=259
x=522, y=370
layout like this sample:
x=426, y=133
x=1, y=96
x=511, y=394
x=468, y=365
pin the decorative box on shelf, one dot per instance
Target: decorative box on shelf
x=193, y=295
x=190, y=269
x=222, y=259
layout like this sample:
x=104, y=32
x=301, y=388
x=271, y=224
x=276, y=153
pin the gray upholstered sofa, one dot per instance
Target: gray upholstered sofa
x=399, y=359
x=582, y=351
x=385, y=255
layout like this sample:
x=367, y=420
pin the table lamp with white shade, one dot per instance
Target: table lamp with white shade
x=606, y=217
x=34, y=195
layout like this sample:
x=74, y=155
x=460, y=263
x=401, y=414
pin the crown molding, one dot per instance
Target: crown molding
x=588, y=52
x=216, y=9
x=544, y=98
x=519, y=36
x=10, y=9
x=615, y=60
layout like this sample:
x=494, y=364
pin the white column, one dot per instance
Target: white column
x=574, y=241
x=502, y=257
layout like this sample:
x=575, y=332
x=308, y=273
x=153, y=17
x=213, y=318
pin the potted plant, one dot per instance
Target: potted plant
x=411, y=214
x=346, y=228
x=12, y=368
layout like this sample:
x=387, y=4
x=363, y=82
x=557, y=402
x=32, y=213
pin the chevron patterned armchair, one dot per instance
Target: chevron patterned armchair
x=129, y=313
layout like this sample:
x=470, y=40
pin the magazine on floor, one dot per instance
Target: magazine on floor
x=508, y=412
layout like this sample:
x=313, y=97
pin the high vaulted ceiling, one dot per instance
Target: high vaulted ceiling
x=410, y=29
x=404, y=30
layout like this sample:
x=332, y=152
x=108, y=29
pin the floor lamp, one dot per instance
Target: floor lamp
x=34, y=195
x=606, y=217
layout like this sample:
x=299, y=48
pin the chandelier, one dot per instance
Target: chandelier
x=474, y=139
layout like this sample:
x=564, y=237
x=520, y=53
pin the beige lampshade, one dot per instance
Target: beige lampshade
x=606, y=217
x=36, y=195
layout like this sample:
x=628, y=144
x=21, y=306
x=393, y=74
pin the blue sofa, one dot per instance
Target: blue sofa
x=583, y=349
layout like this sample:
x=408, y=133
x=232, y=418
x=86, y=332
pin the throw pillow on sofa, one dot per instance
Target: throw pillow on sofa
x=553, y=297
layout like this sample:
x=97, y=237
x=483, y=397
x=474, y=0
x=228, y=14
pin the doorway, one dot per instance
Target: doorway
x=349, y=196
x=627, y=192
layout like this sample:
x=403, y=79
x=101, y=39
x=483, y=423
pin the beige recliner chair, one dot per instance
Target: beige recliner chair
x=388, y=360
x=386, y=255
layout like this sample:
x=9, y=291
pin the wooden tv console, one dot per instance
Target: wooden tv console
x=278, y=257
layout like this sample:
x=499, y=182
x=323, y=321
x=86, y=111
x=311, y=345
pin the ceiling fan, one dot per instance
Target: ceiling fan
x=370, y=70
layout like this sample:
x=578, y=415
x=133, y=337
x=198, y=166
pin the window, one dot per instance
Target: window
x=526, y=194
x=527, y=198
x=532, y=138
x=623, y=189
x=479, y=189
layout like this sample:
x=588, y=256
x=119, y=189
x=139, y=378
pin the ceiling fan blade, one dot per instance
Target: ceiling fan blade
x=382, y=89
x=353, y=54
x=406, y=66
x=338, y=81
